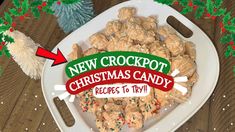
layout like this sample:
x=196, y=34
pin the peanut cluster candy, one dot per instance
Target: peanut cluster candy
x=138, y=34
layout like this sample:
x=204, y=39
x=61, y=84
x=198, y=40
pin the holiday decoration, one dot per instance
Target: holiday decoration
x=23, y=52
x=72, y=16
x=74, y=13
x=21, y=10
x=24, y=8
x=211, y=9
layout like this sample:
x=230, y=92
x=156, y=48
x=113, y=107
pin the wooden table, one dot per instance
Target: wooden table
x=23, y=108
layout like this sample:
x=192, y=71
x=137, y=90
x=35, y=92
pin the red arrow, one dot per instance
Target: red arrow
x=58, y=58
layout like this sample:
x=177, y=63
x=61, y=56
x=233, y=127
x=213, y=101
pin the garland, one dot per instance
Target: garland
x=69, y=1
x=211, y=9
x=22, y=9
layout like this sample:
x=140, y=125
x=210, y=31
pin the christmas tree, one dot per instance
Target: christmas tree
x=73, y=15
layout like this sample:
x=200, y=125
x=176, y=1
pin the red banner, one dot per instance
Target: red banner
x=119, y=74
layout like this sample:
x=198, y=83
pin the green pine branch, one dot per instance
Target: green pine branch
x=75, y=1
x=226, y=39
x=199, y=12
x=230, y=28
x=21, y=9
x=218, y=3
x=199, y=3
x=209, y=6
x=184, y=3
x=16, y=3
x=186, y=10
x=226, y=18
x=229, y=51
x=166, y=2
x=213, y=8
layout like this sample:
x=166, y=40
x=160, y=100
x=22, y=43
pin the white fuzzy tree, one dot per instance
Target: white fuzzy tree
x=23, y=52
